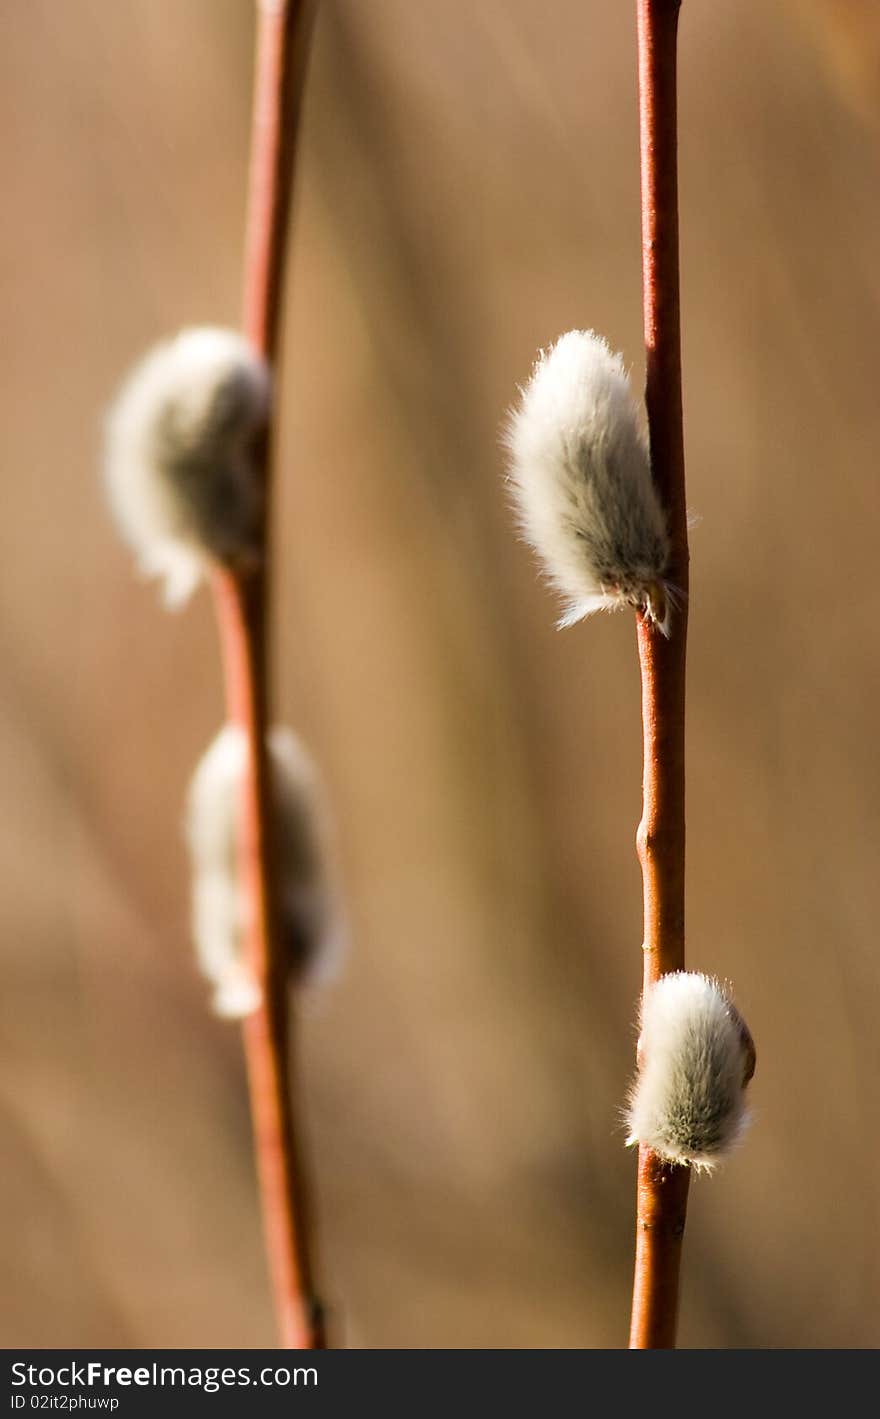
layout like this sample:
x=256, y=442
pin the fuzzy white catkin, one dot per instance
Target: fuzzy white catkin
x=180, y=459
x=311, y=922
x=581, y=480
x=695, y=1059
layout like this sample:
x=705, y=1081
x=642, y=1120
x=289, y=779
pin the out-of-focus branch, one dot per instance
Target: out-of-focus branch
x=242, y=615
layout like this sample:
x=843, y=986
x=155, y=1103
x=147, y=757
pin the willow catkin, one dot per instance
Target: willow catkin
x=310, y=920
x=696, y=1057
x=181, y=463
x=580, y=477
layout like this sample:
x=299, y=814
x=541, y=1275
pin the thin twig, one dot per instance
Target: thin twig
x=241, y=610
x=662, y=1189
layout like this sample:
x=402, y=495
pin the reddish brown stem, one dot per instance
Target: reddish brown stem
x=283, y=35
x=662, y=1190
x=240, y=604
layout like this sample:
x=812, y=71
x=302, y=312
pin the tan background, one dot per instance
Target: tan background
x=469, y=189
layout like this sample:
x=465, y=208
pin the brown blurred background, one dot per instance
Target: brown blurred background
x=469, y=189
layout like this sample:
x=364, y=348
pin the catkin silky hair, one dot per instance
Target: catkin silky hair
x=311, y=928
x=696, y=1057
x=581, y=482
x=181, y=456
